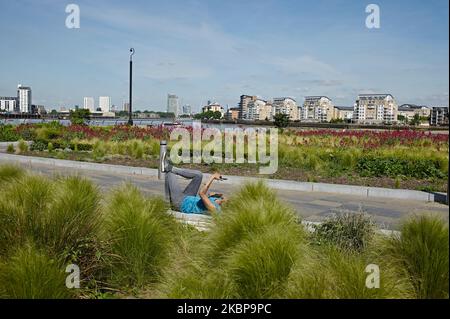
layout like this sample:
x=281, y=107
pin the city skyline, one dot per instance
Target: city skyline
x=200, y=50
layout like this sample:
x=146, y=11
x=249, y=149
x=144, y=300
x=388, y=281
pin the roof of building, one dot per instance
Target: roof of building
x=283, y=98
x=409, y=107
x=376, y=94
x=344, y=108
x=316, y=97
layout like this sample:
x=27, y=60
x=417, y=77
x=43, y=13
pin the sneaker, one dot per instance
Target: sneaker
x=166, y=164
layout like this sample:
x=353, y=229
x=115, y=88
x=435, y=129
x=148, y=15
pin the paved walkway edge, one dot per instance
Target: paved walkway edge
x=363, y=191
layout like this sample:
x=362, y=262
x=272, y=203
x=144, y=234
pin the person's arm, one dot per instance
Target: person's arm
x=203, y=193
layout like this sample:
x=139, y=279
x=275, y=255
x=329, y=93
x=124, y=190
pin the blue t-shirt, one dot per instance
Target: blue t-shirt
x=195, y=205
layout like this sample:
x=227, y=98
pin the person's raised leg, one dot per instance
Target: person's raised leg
x=173, y=190
x=196, y=180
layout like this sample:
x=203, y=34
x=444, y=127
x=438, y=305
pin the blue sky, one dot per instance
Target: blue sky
x=218, y=50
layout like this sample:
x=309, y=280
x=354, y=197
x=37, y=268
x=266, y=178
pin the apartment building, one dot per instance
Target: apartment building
x=172, y=104
x=232, y=114
x=24, y=98
x=243, y=104
x=258, y=110
x=344, y=113
x=285, y=105
x=410, y=110
x=214, y=107
x=317, y=109
x=9, y=104
x=375, y=109
x=89, y=104
x=439, y=116
x=104, y=103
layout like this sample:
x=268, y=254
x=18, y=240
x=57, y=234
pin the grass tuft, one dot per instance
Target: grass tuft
x=421, y=253
x=32, y=274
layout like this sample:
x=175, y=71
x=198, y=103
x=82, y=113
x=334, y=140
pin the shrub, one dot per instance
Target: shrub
x=50, y=147
x=22, y=147
x=350, y=231
x=39, y=145
x=421, y=253
x=392, y=166
x=10, y=149
x=141, y=233
x=31, y=274
x=8, y=134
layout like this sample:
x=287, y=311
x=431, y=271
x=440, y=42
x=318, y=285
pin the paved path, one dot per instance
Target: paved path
x=312, y=206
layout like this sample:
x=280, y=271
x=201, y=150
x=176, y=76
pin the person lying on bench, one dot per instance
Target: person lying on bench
x=190, y=200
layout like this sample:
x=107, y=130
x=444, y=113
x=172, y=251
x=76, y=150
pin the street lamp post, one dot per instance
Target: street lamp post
x=130, y=111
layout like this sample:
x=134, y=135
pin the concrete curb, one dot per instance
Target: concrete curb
x=363, y=191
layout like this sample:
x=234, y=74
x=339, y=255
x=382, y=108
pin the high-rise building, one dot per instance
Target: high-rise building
x=172, y=104
x=285, y=105
x=104, y=103
x=9, y=104
x=89, y=104
x=258, y=110
x=24, y=97
x=375, y=108
x=243, y=104
x=439, y=116
x=126, y=107
x=187, y=109
x=317, y=109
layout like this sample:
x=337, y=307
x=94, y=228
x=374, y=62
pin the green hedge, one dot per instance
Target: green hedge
x=377, y=165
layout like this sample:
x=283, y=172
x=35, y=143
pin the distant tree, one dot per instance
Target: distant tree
x=54, y=112
x=281, y=120
x=209, y=115
x=79, y=116
x=402, y=118
x=415, y=120
x=337, y=120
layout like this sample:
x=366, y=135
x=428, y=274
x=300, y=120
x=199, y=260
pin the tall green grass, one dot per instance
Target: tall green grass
x=421, y=254
x=32, y=274
x=141, y=233
x=8, y=172
x=249, y=253
x=59, y=216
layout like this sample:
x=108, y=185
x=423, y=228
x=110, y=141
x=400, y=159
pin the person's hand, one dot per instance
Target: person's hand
x=216, y=176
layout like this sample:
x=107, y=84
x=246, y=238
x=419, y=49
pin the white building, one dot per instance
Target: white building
x=285, y=105
x=89, y=104
x=172, y=104
x=24, y=97
x=8, y=104
x=258, y=110
x=104, y=103
x=375, y=108
x=317, y=109
x=214, y=107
